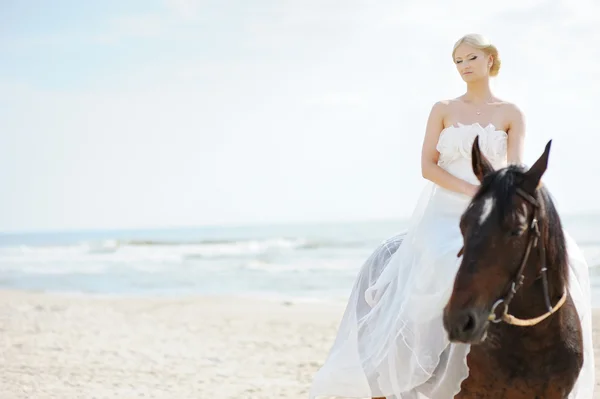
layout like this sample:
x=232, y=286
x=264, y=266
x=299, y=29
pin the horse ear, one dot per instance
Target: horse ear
x=535, y=173
x=481, y=166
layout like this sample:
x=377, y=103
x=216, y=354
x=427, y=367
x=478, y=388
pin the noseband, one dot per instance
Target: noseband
x=534, y=241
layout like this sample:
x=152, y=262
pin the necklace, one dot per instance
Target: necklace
x=478, y=109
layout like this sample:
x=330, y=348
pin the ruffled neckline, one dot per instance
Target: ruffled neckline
x=457, y=144
x=489, y=127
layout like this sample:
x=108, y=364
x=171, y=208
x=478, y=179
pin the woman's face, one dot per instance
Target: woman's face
x=472, y=64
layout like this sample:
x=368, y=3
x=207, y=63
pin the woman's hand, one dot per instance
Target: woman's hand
x=472, y=189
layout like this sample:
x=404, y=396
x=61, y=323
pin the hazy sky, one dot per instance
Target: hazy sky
x=145, y=113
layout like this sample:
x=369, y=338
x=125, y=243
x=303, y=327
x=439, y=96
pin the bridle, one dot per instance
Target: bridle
x=534, y=241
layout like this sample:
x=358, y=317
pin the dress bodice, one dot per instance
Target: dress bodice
x=455, y=144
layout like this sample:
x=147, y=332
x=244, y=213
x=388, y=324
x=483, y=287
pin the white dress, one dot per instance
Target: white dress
x=391, y=341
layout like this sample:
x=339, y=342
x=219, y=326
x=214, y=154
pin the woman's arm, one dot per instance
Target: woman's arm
x=429, y=156
x=516, y=136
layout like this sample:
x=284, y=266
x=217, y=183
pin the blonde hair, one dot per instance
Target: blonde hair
x=482, y=43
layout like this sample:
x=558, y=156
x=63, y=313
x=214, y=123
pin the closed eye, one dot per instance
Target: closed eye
x=470, y=59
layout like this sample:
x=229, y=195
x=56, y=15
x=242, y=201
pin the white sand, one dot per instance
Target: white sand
x=59, y=346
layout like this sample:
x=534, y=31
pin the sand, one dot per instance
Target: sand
x=62, y=346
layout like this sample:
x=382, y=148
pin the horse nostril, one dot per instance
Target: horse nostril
x=468, y=322
x=462, y=325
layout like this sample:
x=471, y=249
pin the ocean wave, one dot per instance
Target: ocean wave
x=308, y=265
x=165, y=251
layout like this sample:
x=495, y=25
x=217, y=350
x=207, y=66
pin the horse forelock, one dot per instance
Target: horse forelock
x=501, y=186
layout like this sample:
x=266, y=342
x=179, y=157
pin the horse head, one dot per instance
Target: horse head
x=500, y=230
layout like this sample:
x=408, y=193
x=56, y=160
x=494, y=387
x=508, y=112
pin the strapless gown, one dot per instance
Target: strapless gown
x=391, y=341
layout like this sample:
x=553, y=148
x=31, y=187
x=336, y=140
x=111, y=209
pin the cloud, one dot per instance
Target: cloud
x=261, y=108
x=117, y=27
x=185, y=9
x=137, y=25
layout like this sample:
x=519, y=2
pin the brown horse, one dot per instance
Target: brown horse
x=510, y=299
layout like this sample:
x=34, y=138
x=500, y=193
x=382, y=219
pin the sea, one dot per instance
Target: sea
x=299, y=262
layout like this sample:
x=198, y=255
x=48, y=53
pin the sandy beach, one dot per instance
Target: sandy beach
x=64, y=346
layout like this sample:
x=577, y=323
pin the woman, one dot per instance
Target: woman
x=391, y=341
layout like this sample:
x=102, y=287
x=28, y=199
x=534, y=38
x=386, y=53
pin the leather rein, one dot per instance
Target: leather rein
x=534, y=241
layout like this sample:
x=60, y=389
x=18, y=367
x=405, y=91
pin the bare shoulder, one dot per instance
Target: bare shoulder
x=444, y=109
x=447, y=103
x=513, y=113
x=515, y=121
x=441, y=108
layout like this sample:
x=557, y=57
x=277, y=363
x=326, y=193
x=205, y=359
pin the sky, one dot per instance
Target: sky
x=145, y=114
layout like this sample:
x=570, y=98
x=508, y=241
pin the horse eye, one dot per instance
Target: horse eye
x=517, y=231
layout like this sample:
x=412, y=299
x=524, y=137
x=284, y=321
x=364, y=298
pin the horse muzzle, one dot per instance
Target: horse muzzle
x=467, y=326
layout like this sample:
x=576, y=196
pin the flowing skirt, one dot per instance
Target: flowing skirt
x=391, y=341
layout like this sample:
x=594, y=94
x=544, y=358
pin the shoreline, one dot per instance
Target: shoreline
x=258, y=297
x=262, y=297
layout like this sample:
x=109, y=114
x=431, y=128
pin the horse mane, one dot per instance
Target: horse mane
x=503, y=184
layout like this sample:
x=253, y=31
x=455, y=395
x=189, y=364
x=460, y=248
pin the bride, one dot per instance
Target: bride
x=391, y=342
